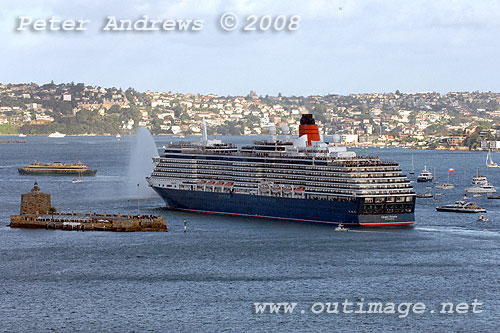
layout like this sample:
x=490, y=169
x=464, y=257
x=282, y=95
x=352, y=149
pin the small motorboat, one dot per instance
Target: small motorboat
x=477, y=195
x=483, y=218
x=493, y=196
x=424, y=195
x=341, y=227
x=57, y=135
x=461, y=207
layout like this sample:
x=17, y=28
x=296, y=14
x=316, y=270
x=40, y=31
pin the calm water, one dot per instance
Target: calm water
x=209, y=278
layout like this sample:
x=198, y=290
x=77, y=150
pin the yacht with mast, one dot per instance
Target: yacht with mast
x=412, y=171
x=489, y=161
x=448, y=185
x=304, y=180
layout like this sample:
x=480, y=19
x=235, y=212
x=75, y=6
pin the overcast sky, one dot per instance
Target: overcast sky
x=342, y=47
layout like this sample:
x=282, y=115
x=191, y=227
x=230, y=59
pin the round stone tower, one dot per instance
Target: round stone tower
x=35, y=202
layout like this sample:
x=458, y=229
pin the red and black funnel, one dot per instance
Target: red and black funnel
x=309, y=127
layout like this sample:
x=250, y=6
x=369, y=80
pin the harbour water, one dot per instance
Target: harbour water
x=210, y=277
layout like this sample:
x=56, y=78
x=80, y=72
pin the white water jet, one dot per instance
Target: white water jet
x=143, y=149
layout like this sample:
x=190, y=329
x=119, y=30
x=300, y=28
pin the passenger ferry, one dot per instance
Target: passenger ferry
x=305, y=180
x=57, y=169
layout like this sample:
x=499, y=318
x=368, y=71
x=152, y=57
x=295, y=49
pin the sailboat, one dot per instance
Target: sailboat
x=412, y=171
x=446, y=186
x=78, y=180
x=489, y=161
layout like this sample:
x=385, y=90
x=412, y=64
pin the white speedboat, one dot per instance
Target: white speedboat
x=57, y=135
x=341, y=227
x=22, y=135
x=483, y=218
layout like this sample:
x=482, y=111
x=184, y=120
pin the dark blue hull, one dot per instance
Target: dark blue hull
x=319, y=211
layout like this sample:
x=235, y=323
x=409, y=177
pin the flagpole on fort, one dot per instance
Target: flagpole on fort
x=138, y=198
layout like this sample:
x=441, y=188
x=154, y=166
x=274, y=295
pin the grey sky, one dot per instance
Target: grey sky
x=366, y=46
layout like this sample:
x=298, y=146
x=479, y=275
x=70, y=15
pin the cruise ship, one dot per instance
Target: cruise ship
x=303, y=180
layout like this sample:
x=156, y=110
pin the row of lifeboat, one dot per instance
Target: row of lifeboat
x=263, y=187
x=276, y=188
x=215, y=183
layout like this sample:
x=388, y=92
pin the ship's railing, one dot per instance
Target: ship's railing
x=287, y=155
x=201, y=147
x=271, y=143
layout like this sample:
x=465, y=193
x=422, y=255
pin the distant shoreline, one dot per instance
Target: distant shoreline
x=252, y=135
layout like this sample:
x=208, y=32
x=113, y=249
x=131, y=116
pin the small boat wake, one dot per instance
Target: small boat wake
x=459, y=230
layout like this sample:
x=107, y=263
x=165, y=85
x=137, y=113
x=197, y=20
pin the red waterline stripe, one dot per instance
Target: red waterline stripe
x=292, y=219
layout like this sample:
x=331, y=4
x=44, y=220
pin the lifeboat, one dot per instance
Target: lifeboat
x=287, y=189
x=219, y=184
x=299, y=190
x=228, y=184
x=202, y=182
x=264, y=187
x=275, y=188
x=211, y=182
